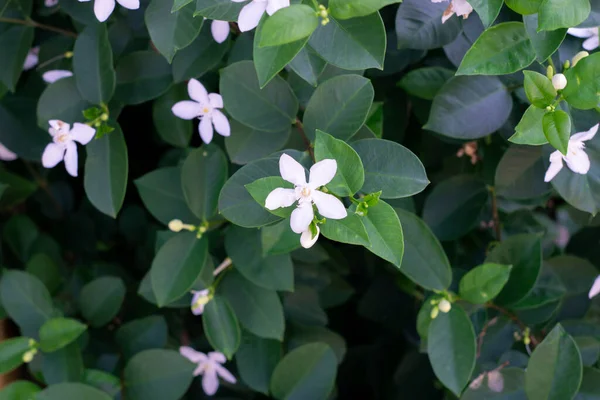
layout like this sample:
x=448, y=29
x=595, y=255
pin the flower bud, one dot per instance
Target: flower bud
x=445, y=306
x=28, y=356
x=307, y=240
x=559, y=81
x=579, y=56
x=550, y=71
x=176, y=225
x=434, y=312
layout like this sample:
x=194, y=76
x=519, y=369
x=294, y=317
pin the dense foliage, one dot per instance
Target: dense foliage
x=305, y=199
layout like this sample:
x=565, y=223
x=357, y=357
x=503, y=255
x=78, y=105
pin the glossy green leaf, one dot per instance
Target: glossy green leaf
x=524, y=7
x=556, y=14
x=12, y=352
x=220, y=10
x=71, y=390
x=20, y=233
x=539, y=89
x=256, y=359
x=260, y=189
x=101, y=300
x=142, y=334
x=385, y=233
x=221, y=326
x=63, y=365
x=487, y=10
x=425, y=82
x=518, y=173
x=289, y=24
x=557, y=129
x=308, y=65
x=19, y=390
x=545, y=43
x=61, y=100
x=142, y=76
x=483, y=283
x=346, y=9
x=348, y=230
x=175, y=131
x=15, y=43
x=57, y=333
x=247, y=144
x=583, y=87
x=530, y=129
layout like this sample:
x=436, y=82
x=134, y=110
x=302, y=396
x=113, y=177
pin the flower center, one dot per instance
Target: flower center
x=205, y=109
x=305, y=191
x=62, y=138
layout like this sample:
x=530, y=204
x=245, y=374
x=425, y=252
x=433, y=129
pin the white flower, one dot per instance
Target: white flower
x=595, y=287
x=6, y=154
x=200, y=299
x=50, y=3
x=63, y=144
x=590, y=34
x=219, y=30
x=577, y=160
x=209, y=366
x=459, y=7
x=307, y=240
x=32, y=59
x=103, y=8
x=559, y=81
x=56, y=75
x=252, y=12
x=204, y=106
x=306, y=193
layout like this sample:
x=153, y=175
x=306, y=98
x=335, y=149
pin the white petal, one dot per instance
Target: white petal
x=329, y=206
x=322, y=173
x=292, y=171
x=301, y=218
x=206, y=129
x=250, y=15
x=210, y=382
x=578, y=163
x=495, y=381
x=32, y=59
x=103, y=9
x=307, y=240
x=55, y=75
x=6, y=154
x=219, y=30
x=186, y=109
x=553, y=169
x=581, y=32
x=192, y=355
x=130, y=4
x=226, y=375
x=462, y=8
x=197, y=91
x=215, y=100
x=217, y=357
x=71, y=158
x=275, y=5
x=198, y=309
x=221, y=123
x=587, y=135
x=595, y=287
x=82, y=133
x=280, y=197
x=239, y=1
x=53, y=154
x=58, y=125
x=592, y=43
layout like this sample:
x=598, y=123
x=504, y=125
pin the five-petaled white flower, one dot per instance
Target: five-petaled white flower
x=209, y=366
x=252, y=13
x=577, y=160
x=459, y=7
x=204, y=106
x=63, y=144
x=103, y=8
x=305, y=193
x=219, y=30
x=199, y=300
x=6, y=154
x=56, y=75
x=590, y=34
x=595, y=287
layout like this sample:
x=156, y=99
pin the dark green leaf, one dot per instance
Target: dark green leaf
x=256, y=359
x=346, y=9
x=530, y=129
x=57, y=333
x=101, y=299
x=487, y=10
x=173, y=130
x=426, y=82
x=483, y=283
x=288, y=25
x=142, y=76
x=63, y=391
x=221, y=326
x=557, y=129
x=539, y=89
x=545, y=43
x=348, y=230
x=350, y=175
x=385, y=233
x=12, y=352
x=583, y=87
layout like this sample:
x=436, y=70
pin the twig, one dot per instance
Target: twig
x=223, y=266
x=305, y=139
x=514, y=318
x=482, y=334
x=30, y=22
x=495, y=215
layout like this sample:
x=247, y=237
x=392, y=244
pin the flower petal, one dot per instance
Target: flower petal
x=280, y=197
x=329, y=206
x=225, y=374
x=556, y=165
x=322, y=173
x=206, y=129
x=587, y=135
x=301, y=218
x=592, y=43
x=53, y=154
x=595, y=287
x=462, y=8
x=71, y=158
x=215, y=100
x=217, y=357
x=103, y=9
x=219, y=30
x=58, y=125
x=210, y=381
x=307, y=240
x=32, y=59
x=6, y=154
x=192, y=355
x=581, y=32
x=82, y=133
x=197, y=91
x=221, y=123
x=292, y=171
x=130, y=4
x=250, y=15
x=56, y=75
x=579, y=162
x=275, y=5
x=186, y=109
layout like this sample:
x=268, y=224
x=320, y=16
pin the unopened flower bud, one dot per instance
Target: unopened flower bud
x=445, y=306
x=176, y=225
x=28, y=356
x=550, y=71
x=579, y=56
x=559, y=81
x=104, y=117
x=526, y=340
x=434, y=312
x=68, y=54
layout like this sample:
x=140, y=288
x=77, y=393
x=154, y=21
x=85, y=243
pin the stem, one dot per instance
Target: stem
x=495, y=215
x=50, y=61
x=223, y=266
x=514, y=318
x=30, y=22
x=305, y=139
x=315, y=4
x=483, y=333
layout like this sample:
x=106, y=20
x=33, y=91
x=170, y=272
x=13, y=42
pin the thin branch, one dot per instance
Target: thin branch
x=495, y=215
x=309, y=147
x=30, y=22
x=483, y=332
x=223, y=266
x=514, y=318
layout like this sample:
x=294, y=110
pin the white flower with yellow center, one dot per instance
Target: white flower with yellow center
x=252, y=12
x=576, y=158
x=63, y=145
x=209, y=366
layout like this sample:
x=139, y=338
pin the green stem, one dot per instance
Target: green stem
x=30, y=22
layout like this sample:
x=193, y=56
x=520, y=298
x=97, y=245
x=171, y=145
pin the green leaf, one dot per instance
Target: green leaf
x=106, y=172
x=524, y=253
x=555, y=14
x=142, y=334
x=256, y=359
x=162, y=194
x=391, y=168
x=483, y=283
x=220, y=10
x=12, y=352
x=539, y=89
x=557, y=129
x=517, y=174
x=104, y=381
x=61, y=100
x=15, y=42
x=17, y=190
x=545, y=43
x=288, y=25
x=221, y=326
x=352, y=44
x=470, y=107
x=93, y=65
x=203, y=175
x=350, y=175
x=307, y=372
x=424, y=261
x=142, y=76
x=451, y=348
x=260, y=189
x=46, y=270
x=19, y=390
x=20, y=233
x=583, y=86
x=57, y=333
x=173, y=130
x=385, y=233
x=278, y=238
x=64, y=365
x=171, y=31
x=157, y=375
x=502, y=49
x=346, y=9
x=63, y=391
x=524, y=7
x=530, y=129
x=101, y=300
x=26, y=301
x=590, y=385
x=339, y=106
x=426, y=82
x=488, y=10
x=179, y=4
x=452, y=208
x=348, y=230
x=247, y=144
x=20, y=132
x=177, y=265
x=308, y=65
x=554, y=370
x=258, y=310
x=271, y=109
